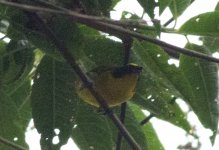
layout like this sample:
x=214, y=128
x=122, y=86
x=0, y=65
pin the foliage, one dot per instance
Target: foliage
x=36, y=82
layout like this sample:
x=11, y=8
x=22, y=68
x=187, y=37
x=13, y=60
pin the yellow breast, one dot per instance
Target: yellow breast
x=114, y=90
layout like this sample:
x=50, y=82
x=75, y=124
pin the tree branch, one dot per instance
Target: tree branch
x=99, y=24
x=11, y=144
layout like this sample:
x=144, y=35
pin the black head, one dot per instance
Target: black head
x=130, y=68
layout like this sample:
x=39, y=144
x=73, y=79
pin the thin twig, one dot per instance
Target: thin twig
x=11, y=144
x=146, y=119
x=122, y=119
x=71, y=61
x=127, y=43
x=168, y=22
x=2, y=38
x=96, y=23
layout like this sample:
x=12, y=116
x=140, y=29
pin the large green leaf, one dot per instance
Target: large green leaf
x=204, y=24
x=201, y=75
x=145, y=135
x=16, y=62
x=25, y=26
x=90, y=127
x=99, y=50
x=217, y=7
x=16, y=20
x=23, y=57
x=5, y=14
x=68, y=33
x=156, y=90
x=148, y=130
x=53, y=101
x=202, y=88
x=21, y=98
x=10, y=128
x=134, y=128
x=149, y=6
x=177, y=7
x=163, y=4
x=212, y=43
x=114, y=3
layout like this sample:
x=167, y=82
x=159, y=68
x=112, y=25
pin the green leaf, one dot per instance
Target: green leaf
x=96, y=7
x=163, y=4
x=23, y=26
x=104, y=6
x=88, y=31
x=89, y=128
x=2, y=9
x=21, y=98
x=53, y=101
x=202, y=76
x=22, y=93
x=206, y=24
x=153, y=86
x=10, y=128
x=22, y=56
x=177, y=7
x=211, y=43
x=67, y=32
x=3, y=62
x=149, y=6
x=156, y=88
x=133, y=126
x=17, y=20
x=202, y=88
x=153, y=142
x=114, y=3
x=99, y=50
x=16, y=63
x=217, y=7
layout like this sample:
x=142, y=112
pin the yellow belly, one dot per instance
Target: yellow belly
x=114, y=90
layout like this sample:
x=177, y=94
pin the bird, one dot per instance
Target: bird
x=115, y=84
